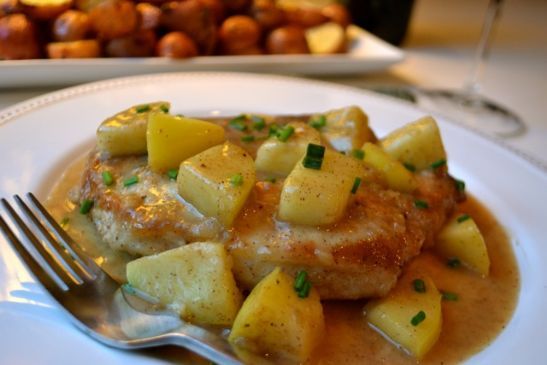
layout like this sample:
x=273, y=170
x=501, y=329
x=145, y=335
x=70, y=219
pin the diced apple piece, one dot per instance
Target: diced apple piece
x=410, y=318
x=274, y=320
x=396, y=176
x=125, y=133
x=172, y=139
x=345, y=129
x=418, y=143
x=317, y=197
x=218, y=181
x=278, y=157
x=327, y=38
x=461, y=238
x=196, y=280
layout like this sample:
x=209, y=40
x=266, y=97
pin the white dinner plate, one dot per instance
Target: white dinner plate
x=366, y=53
x=39, y=137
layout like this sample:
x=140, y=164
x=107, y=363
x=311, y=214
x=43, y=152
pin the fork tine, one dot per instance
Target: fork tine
x=40, y=274
x=57, y=247
x=67, y=242
x=56, y=267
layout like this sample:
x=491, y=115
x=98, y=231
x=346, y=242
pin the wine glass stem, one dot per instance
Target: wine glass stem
x=472, y=84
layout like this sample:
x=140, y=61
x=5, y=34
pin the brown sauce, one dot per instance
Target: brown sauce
x=483, y=309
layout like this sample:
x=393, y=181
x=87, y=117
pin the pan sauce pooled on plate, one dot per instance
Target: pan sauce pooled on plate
x=232, y=202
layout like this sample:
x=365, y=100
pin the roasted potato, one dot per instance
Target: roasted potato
x=176, y=45
x=88, y=48
x=239, y=32
x=337, y=13
x=8, y=7
x=289, y=39
x=114, y=19
x=267, y=14
x=234, y=6
x=72, y=25
x=193, y=18
x=86, y=5
x=18, y=38
x=217, y=8
x=327, y=38
x=149, y=15
x=45, y=9
x=305, y=16
x=139, y=44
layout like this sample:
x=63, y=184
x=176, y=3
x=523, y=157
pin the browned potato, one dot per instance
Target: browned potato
x=216, y=7
x=328, y=38
x=114, y=18
x=239, y=32
x=267, y=14
x=139, y=44
x=306, y=17
x=76, y=49
x=86, y=5
x=8, y=7
x=290, y=39
x=176, y=45
x=17, y=38
x=237, y=5
x=337, y=13
x=45, y=9
x=149, y=14
x=72, y=25
x=194, y=19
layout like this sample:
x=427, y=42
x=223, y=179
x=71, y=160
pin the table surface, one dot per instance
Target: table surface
x=439, y=50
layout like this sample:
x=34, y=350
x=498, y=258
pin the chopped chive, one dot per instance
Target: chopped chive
x=238, y=123
x=356, y=184
x=272, y=180
x=173, y=173
x=300, y=280
x=438, y=163
x=319, y=122
x=418, y=318
x=248, y=138
x=258, y=122
x=284, y=134
x=107, y=178
x=131, y=181
x=358, y=154
x=312, y=163
x=410, y=167
x=460, y=185
x=142, y=108
x=454, y=262
x=86, y=206
x=64, y=221
x=453, y=297
x=421, y=204
x=314, y=156
x=164, y=108
x=236, y=180
x=463, y=218
x=419, y=285
x=305, y=291
x=272, y=130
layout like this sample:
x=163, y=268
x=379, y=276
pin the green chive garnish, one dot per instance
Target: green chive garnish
x=173, y=173
x=419, y=285
x=272, y=180
x=236, y=180
x=272, y=130
x=460, y=185
x=453, y=297
x=463, y=218
x=248, y=138
x=238, y=123
x=142, y=108
x=131, y=181
x=164, y=108
x=418, y=318
x=64, y=221
x=421, y=204
x=300, y=280
x=358, y=154
x=318, y=122
x=314, y=156
x=107, y=178
x=454, y=263
x=258, y=122
x=439, y=163
x=356, y=184
x=410, y=167
x=305, y=291
x=86, y=206
x=284, y=134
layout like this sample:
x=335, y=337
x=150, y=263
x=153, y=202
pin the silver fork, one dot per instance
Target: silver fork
x=91, y=299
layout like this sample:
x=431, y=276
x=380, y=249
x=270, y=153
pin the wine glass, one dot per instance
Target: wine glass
x=467, y=105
